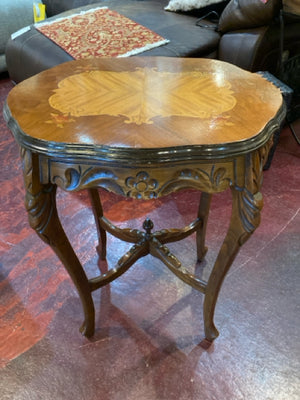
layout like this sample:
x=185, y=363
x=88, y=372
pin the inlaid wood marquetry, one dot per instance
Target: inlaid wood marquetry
x=143, y=94
x=146, y=103
x=144, y=128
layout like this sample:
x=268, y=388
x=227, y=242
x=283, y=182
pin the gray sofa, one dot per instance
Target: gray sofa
x=246, y=34
x=14, y=15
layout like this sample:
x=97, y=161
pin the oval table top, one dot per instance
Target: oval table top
x=120, y=107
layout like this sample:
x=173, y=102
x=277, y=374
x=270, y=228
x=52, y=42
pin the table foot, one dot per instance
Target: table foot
x=88, y=327
x=205, y=344
x=211, y=332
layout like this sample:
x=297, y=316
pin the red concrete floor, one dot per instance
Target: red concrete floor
x=148, y=323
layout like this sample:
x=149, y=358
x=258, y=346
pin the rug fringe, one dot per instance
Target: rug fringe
x=144, y=48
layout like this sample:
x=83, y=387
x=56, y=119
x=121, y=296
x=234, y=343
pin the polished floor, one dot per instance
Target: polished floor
x=149, y=330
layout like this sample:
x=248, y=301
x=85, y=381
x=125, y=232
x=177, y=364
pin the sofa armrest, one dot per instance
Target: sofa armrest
x=258, y=49
x=241, y=47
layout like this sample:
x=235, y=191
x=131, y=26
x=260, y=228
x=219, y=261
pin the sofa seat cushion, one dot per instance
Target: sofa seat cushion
x=32, y=52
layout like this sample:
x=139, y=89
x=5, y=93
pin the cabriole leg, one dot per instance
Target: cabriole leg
x=40, y=202
x=245, y=219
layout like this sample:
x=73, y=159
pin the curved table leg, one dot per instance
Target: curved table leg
x=203, y=212
x=98, y=214
x=40, y=202
x=245, y=218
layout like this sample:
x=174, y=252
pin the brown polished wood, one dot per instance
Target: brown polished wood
x=144, y=128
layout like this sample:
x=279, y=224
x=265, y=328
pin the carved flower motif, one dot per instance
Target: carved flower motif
x=141, y=186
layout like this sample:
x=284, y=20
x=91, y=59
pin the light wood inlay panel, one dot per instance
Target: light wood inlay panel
x=143, y=94
x=164, y=103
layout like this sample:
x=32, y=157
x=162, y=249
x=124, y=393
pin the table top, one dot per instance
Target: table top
x=144, y=106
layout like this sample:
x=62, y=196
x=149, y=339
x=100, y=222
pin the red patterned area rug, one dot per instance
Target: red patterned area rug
x=100, y=33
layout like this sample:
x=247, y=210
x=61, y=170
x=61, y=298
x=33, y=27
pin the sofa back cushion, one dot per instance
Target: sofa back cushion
x=54, y=7
x=291, y=6
x=243, y=14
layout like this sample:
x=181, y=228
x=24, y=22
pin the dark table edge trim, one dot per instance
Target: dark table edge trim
x=69, y=151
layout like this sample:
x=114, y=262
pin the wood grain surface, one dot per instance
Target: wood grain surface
x=144, y=103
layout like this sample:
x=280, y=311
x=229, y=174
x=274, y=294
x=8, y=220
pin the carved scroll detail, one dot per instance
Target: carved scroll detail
x=38, y=198
x=84, y=177
x=39, y=207
x=259, y=158
x=141, y=184
x=212, y=179
x=249, y=207
x=248, y=197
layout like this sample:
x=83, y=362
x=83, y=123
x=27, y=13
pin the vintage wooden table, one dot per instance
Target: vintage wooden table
x=145, y=127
